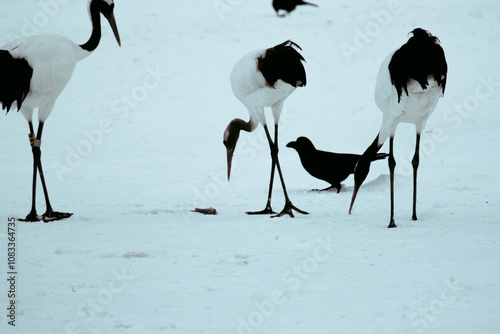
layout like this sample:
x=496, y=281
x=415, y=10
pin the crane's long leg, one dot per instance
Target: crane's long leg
x=32, y=216
x=392, y=167
x=274, y=155
x=415, y=163
x=50, y=214
x=268, y=209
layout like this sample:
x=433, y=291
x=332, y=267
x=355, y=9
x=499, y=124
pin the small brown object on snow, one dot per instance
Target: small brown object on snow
x=209, y=211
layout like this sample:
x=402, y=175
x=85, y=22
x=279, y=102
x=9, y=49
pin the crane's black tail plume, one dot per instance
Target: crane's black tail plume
x=420, y=57
x=283, y=62
x=15, y=78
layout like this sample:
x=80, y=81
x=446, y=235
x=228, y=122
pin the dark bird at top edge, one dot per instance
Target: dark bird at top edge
x=327, y=166
x=289, y=5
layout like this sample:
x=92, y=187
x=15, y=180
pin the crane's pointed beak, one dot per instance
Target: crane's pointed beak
x=112, y=23
x=360, y=173
x=231, y=136
x=229, y=162
x=363, y=167
x=355, y=192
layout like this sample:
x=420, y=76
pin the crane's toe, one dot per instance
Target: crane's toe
x=287, y=210
x=54, y=215
x=267, y=211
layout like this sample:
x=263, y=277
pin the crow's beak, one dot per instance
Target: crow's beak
x=292, y=144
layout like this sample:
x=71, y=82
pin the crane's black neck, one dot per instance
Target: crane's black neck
x=239, y=124
x=95, y=38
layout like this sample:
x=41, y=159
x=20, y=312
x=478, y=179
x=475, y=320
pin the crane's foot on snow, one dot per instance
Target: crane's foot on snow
x=48, y=216
x=287, y=210
x=31, y=217
x=54, y=215
x=392, y=224
x=267, y=211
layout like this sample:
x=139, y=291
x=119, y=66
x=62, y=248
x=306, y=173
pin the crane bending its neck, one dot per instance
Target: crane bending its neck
x=231, y=136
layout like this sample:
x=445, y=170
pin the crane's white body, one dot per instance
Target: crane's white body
x=53, y=59
x=249, y=86
x=416, y=107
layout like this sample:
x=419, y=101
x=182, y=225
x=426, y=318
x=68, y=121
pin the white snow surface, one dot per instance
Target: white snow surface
x=135, y=142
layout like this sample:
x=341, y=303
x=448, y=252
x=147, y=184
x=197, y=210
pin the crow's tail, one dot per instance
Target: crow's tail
x=380, y=156
x=308, y=3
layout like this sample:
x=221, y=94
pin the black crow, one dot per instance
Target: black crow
x=327, y=166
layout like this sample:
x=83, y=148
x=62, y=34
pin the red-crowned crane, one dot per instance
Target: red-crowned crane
x=34, y=71
x=265, y=78
x=409, y=84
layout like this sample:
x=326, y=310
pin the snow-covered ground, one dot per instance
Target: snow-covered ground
x=135, y=143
